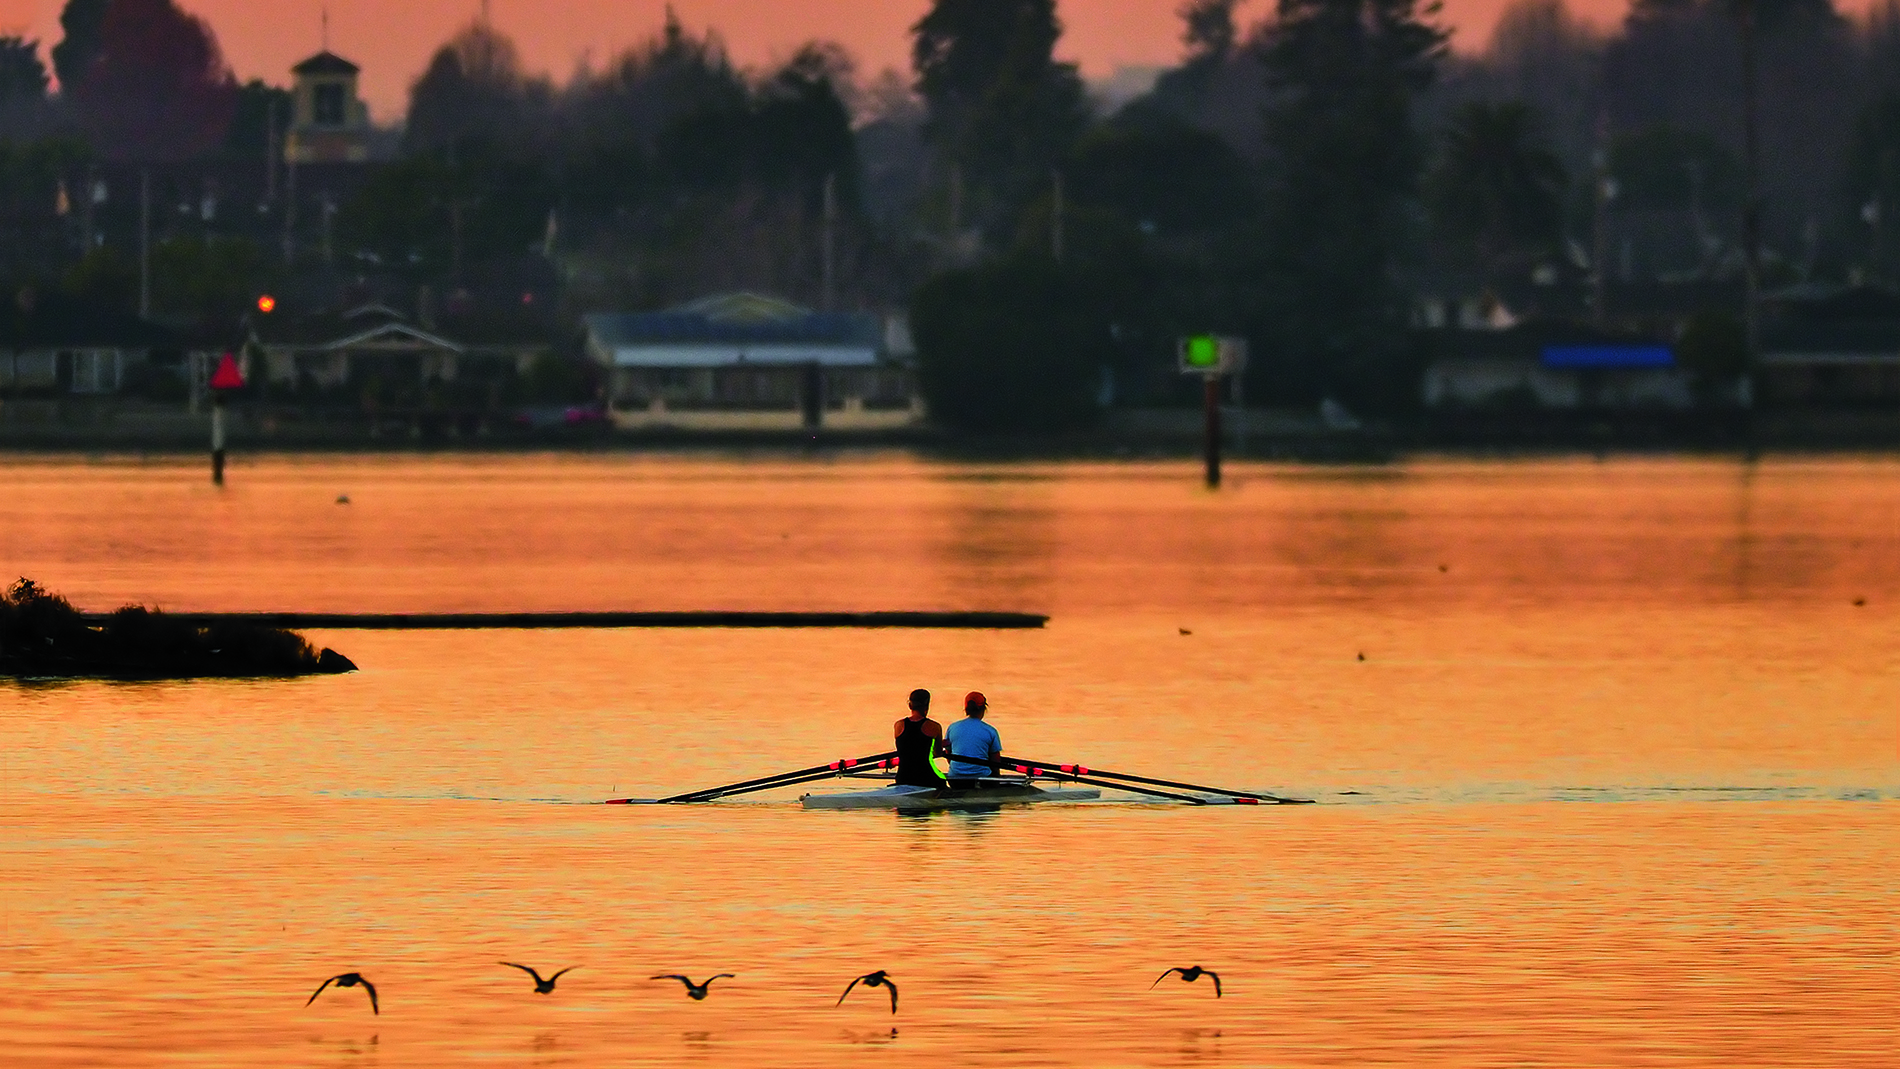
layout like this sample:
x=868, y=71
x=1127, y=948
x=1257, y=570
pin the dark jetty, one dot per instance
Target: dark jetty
x=42, y=636
x=467, y=621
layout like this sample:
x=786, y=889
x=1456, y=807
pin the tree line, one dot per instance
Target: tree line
x=1298, y=178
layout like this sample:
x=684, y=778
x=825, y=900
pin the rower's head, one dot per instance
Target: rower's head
x=920, y=702
x=975, y=704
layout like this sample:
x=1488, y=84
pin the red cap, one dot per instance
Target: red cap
x=975, y=700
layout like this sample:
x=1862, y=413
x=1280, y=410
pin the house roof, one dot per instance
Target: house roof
x=326, y=62
x=53, y=320
x=365, y=326
x=735, y=319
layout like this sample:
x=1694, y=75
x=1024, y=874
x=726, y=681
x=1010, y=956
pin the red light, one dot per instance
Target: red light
x=1081, y=771
x=267, y=304
x=1023, y=770
x=1068, y=769
x=833, y=766
x=851, y=763
x=1246, y=801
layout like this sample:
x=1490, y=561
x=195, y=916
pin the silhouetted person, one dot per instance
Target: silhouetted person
x=349, y=979
x=918, y=738
x=873, y=979
x=542, y=987
x=696, y=992
x=1189, y=975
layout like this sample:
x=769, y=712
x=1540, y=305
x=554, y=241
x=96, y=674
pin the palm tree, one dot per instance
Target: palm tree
x=1495, y=185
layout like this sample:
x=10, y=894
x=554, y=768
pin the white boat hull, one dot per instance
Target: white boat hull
x=904, y=796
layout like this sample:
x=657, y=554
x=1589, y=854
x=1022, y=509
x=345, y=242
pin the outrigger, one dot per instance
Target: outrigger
x=1022, y=782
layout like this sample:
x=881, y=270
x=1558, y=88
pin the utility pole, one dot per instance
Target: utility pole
x=1055, y=215
x=145, y=244
x=1605, y=191
x=829, y=249
x=329, y=227
x=88, y=213
x=270, y=151
x=290, y=211
x=956, y=201
x=1748, y=15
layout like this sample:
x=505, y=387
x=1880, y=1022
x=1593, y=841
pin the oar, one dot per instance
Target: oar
x=1111, y=784
x=1245, y=797
x=831, y=768
x=783, y=778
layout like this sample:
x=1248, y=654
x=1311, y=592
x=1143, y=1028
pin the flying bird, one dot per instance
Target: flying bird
x=541, y=987
x=873, y=979
x=349, y=979
x=1189, y=975
x=696, y=992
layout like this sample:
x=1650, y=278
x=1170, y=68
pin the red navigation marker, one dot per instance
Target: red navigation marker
x=227, y=377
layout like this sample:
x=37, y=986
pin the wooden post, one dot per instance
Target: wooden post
x=217, y=438
x=1212, y=443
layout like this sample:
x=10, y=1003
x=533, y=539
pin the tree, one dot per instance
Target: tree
x=23, y=77
x=1873, y=184
x=1208, y=30
x=1001, y=110
x=1495, y=186
x=1541, y=53
x=1161, y=174
x=158, y=88
x=82, y=25
x=1015, y=345
x=473, y=87
x=1342, y=187
x=803, y=128
x=260, y=110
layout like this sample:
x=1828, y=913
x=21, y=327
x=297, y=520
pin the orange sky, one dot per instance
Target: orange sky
x=392, y=39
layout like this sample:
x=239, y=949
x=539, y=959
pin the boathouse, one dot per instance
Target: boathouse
x=748, y=362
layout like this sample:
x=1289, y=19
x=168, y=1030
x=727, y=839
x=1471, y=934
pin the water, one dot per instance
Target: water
x=1614, y=784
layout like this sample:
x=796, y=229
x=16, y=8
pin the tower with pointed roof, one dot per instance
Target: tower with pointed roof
x=329, y=121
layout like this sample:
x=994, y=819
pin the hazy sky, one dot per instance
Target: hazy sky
x=392, y=39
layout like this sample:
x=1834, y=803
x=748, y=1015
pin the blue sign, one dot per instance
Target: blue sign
x=1609, y=356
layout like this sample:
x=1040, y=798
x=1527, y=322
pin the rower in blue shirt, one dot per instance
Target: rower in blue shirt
x=974, y=746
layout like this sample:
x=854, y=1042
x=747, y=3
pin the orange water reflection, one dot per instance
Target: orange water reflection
x=1616, y=786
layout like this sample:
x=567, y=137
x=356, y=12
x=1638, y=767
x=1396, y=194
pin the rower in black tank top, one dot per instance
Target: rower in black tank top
x=916, y=744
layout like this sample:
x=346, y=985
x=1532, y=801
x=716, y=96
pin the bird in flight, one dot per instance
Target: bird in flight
x=541, y=987
x=349, y=979
x=1189, y=975
x=696, y=992
x=873, y=979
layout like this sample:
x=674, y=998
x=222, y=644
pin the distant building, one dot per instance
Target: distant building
x=52, y=345
x=374, y=358
x=1826, y=346
x=329, y=121
x=1552, y=366
x=743, y=361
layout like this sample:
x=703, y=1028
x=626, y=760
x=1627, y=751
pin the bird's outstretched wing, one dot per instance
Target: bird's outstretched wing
x=721, y=976
x=1214, y=976
x=1163, y=976
x=560, y=974
x=524, y=968
x=847, y=990
x=673, y=976
x=371, y=988
x=319, y=990
x=888, y=982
